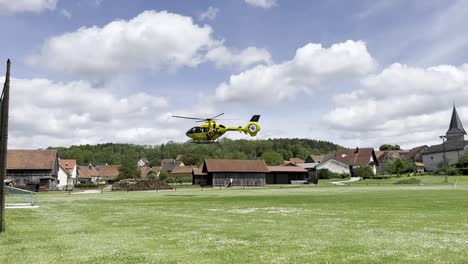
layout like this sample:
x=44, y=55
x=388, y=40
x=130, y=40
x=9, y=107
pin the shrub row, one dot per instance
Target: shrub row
x=408, y=181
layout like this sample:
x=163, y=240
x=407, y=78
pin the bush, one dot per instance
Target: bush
x=327, y=174
x=163, y=176
x=463, y=171
x=152, y=175
x=408, y=181
x=85, y=185
x=364, y=172
x=452, y=171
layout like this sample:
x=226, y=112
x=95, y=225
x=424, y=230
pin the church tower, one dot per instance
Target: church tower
x=456, y=132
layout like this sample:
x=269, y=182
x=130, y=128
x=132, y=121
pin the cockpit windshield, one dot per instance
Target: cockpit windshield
x=195, y=130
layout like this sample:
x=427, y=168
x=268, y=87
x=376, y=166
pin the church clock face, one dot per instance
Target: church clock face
x=252, y=128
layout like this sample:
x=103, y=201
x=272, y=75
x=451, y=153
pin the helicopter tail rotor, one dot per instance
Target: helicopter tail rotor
x=253, y=126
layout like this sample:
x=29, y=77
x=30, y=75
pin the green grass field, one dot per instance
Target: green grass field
x=346, y=224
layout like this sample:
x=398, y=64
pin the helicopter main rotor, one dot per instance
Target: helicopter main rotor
x=199, y=119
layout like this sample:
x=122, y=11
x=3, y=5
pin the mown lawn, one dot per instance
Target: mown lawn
x=358, y=224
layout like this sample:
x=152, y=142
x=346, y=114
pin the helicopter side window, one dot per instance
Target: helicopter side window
x=205, y=129
x=214, y=125
x=195, y=130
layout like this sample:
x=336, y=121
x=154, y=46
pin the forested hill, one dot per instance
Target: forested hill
x=272, y=150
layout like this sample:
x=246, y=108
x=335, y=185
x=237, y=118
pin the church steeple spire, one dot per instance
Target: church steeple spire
x=456, y=131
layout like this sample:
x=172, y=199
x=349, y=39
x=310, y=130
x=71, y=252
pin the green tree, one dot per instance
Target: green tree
x=364, y=172
x=387, y=147
x=128, y=170
x=272, y=157
x=462, y=162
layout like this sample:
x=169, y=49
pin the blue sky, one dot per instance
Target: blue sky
x=358, y=73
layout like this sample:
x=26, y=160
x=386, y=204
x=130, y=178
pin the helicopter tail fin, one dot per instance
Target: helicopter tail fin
x=252, y=127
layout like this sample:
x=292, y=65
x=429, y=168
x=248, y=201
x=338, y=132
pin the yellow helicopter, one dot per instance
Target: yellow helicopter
x=210, y=130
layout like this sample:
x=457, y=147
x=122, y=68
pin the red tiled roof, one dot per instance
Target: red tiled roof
x=219, y=165
x=419, y=164
x=87, y=172
x=108, y=170
x=31, y=159
x=358, y=156
x=286, y=169
x=183, y=170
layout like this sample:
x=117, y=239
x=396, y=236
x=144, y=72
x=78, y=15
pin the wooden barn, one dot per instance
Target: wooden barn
x=33, y=169
x=286, y=174
x=242, y=172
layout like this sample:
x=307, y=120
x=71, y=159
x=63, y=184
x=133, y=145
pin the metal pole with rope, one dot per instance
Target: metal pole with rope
x=4, y=106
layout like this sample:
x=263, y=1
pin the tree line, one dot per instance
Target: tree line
x=273, y=151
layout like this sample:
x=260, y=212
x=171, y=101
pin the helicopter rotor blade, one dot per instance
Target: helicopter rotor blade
x=186, y=117
x=216, y=116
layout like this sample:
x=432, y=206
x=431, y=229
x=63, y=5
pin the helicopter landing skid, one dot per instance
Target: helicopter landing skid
x=200, y=141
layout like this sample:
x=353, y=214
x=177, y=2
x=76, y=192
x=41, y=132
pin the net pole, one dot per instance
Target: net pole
x=4, y=144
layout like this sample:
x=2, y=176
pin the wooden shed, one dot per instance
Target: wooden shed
x=242, y=172
x=33, y=169
x=286, y=174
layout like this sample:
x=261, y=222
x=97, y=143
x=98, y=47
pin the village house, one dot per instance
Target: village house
x=107, y=173
x=453, y=146
x=384, y=157
x=167, y=165
x=182, y=172
x=67, y=173
x=86, y=174
x=346, y=160
x=314, y=159
x=143, y=162
x=334, y=166
x=145, y=170
x=33, y=169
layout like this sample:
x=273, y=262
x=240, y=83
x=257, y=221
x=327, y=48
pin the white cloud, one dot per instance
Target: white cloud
x=151, y=40
x=77, y=113
x=18, y=6
x=311, y=65
x=225, y=57
x=401, y=104
x=65, y=13
x=262, y=3
x=209, y=14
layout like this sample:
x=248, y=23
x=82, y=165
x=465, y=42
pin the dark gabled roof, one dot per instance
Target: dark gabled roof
x=448, y=146
x=414, y=151
x=31, y=159
x=456, y=126
x=220, y=165
x=314, y=159
x=354, y=157
x=169, y=164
